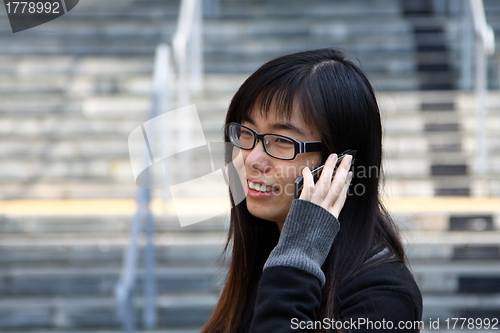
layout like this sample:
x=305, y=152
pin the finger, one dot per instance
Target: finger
x=308, y=184
x=339, y=203
x=339, y=180
x=325, y=180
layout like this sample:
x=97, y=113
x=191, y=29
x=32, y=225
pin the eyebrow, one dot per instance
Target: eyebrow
x=286, y=126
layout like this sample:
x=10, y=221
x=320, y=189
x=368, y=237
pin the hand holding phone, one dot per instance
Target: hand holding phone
x=299, y=183
x=330, y=190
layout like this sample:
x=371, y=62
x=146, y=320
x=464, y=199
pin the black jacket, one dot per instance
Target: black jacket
x=378, y=294
x=380, y=298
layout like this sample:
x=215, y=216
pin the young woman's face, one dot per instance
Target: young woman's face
x=261, y=168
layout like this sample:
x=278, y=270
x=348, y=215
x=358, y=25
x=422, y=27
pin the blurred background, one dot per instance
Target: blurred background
x=79, y=239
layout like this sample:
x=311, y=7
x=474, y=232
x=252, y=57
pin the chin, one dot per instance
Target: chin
x=269, y=213
x=260, y=212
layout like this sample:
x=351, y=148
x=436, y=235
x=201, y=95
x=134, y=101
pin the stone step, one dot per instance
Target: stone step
x=412, y=100
x=426, y=186
x=314, y=38
x=79, y=86
x=445, y=278
x=433, y=277
x=83, y=312
x=225, y=28
x=101, y=66
x=316, y=9
x=269, y=47
x=94, y=225
x=460, y=306
x=77, y=26
x=439, y=277
x=68, y=313
x=464, y=245
x=101, y=281
x=124, y=9
x=69, y=189
x=339, y=29
x=174, y=248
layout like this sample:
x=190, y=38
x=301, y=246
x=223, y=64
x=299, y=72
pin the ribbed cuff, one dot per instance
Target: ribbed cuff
x=306, y=239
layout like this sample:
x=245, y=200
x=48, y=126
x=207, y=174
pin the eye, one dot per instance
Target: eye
x=246, y=133
x=284, y=141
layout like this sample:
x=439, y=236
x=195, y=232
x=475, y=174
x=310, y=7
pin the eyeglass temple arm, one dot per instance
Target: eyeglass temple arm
x=306, y=147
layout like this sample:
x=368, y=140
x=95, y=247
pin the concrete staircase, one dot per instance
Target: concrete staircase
x=59, y=271
x=73, y=89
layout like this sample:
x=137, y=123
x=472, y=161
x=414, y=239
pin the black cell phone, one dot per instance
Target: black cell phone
x=299, y=183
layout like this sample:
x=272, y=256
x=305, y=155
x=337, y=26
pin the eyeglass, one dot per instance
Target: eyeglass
x=275, y=145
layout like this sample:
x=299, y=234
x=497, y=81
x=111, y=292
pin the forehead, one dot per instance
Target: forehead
x=272, y=115
x=272, y=120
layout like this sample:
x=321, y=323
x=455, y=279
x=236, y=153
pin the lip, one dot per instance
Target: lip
x=256, y=181
x=258, y=194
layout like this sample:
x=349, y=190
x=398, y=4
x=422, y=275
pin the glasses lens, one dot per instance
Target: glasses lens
x=279, y=146
x=240, y=136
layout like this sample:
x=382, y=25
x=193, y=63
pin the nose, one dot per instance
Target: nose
x=257, y=158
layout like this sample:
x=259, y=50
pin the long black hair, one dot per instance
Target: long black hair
x=337, y=99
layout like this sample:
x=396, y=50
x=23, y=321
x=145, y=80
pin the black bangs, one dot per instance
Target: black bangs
x=281, y=101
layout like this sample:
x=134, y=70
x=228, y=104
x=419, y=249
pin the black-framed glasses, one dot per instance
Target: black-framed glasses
x=275, y=145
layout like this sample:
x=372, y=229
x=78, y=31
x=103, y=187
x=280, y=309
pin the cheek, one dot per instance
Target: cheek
x=289, y=173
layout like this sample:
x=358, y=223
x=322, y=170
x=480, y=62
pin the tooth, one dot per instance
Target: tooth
x=257, y=187
x=269, y=188
x=251, y=185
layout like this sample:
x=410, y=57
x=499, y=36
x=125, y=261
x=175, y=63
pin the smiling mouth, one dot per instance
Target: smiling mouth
x=261, y=188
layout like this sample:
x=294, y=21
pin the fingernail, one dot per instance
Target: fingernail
x=349, y=158
x=349, y=176
x=333, y=157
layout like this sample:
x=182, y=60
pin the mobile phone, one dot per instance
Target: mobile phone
x=299, y=183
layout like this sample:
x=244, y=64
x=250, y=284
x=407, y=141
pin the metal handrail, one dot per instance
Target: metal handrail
x=485, y=46
x=189, y=66
x=481, y=27
x=188, y=37
x=126, y=286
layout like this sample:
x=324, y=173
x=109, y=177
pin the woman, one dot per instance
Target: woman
x=330, y=260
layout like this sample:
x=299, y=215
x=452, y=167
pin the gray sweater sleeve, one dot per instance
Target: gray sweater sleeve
x=306, y=239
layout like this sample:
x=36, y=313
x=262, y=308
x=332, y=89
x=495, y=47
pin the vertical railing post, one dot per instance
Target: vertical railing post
x=481, y=112
x=196, y=49
x=187, y=39
x=149, y=318
x=126, y=286
x=485, y=45
x=159, y=100
x=467, y=47
x=188, y=50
